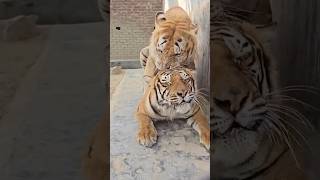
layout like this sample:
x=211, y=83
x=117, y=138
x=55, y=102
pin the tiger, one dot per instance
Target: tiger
x=250, y=132
x=171, y=95
x=248, y=117
x=94, y=159
x=172, y=43
x=252, y=137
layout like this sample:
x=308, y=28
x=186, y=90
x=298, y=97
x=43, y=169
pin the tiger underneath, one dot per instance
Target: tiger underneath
x=171, y=95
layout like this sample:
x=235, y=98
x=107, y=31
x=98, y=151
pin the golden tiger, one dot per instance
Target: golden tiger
x=172, y=43
x=170, y=95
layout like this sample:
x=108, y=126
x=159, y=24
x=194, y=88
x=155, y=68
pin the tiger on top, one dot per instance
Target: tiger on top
x=173, y=43
x=170, y=92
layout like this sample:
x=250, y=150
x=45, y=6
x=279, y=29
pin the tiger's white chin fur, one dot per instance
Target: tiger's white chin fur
x=176, y=111
x=241, y=144
x=243, y=152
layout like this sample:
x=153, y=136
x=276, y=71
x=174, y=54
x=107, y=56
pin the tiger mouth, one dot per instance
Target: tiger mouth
x=177, y=104
x=183, y=101
x=236, y=127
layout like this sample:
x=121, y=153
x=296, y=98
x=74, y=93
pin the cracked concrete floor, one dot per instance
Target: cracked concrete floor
x=177, y=155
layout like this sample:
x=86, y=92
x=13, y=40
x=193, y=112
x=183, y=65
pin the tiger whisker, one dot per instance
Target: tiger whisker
x=284, y=137
x=286, y=113
x=285, y=131
x=293, y=90
x=200, y=106
x=203, y=93
x=303, y=137
x=291, y=112
x=290, y=116
x=289, y=98
x=271, y=136
x=203, y=101
x=283, y=126
x=301, y=86
x=200, y=103
x=274, y=128
x=202, y=98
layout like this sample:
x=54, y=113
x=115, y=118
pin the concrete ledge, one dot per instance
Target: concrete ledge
x=126, y=63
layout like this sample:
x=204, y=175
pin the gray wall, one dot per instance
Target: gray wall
x=52, y=11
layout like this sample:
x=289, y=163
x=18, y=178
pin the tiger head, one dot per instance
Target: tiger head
x=253, y=129
x=175, y=87
x=173, y=40
x=242, y=119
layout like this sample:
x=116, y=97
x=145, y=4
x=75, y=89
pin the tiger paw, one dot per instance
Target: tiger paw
x=147, y=136
x=205, y=139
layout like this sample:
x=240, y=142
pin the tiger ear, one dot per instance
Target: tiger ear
x=192, y=72
x=160, y=17
x=194, y=28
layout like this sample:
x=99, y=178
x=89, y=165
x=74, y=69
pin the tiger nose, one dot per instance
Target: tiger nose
x=231, y=87
x=232, y=99
x=238, y=98
x=181, y=93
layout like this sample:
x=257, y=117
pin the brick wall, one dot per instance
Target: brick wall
x=136, y=21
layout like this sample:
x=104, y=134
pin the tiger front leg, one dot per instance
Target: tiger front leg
x=200, y=123
x=147, y=133
x=149, y=72
x=144, y=55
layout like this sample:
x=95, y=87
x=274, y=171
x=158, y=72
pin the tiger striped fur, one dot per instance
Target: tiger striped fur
x=251, y=136
x=172, y=43
x=171, y=95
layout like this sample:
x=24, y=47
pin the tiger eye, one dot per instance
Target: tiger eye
x=165, y=37
x=165, y=85
x=179, y=40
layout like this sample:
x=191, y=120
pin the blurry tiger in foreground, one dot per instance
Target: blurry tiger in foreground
x=257, y=135
x=172, y=43
x=171, y=95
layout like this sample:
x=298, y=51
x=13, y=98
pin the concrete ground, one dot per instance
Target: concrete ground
x=16, y=60
x=116, y=75
x=58, y=103
x=177, y=155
